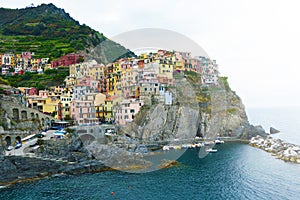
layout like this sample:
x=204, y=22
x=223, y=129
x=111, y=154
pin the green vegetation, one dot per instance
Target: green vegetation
x=3, y=81
x=224, y=80
x=232, y=110
x=193, y=77
x=50, y=32
x=140, y=117
x=51, y=77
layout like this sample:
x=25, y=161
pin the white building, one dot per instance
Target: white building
x=168, y=98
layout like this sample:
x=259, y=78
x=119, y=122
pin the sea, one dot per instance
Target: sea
x=236, y=171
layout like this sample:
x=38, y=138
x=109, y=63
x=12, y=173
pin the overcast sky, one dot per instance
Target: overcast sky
x=255, y=42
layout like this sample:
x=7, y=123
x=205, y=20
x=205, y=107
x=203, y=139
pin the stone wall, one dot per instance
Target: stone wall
x=15, y=115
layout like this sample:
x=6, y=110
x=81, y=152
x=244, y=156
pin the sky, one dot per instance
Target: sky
x=256, y=43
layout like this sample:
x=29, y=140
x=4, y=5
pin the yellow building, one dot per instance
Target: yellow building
x=99, y=103
x=36, y=102
x=70, y=81
x=166, y=68
x=117, y=74
x=98, y=72
x=109, y=104
x=111, y=83
x=108, y=110
x=47, y=66
x=66, y=102
x=51, y=106
x=34, y=62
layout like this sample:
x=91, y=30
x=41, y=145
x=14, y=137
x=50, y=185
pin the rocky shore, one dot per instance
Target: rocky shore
x=279, y=148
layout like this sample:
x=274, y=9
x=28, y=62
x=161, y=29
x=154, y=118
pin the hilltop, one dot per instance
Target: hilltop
x=51, y=32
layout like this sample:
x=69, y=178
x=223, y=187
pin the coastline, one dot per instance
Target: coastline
x=93, y=166
x=278, y=148
x=36, y=168
x=59, y=169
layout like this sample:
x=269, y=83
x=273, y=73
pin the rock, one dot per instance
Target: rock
x=117, y=158
x=167, y=163
x=281, y=150
x=1, y=129
x=273, y=130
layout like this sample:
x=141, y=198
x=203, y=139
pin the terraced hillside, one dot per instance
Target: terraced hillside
x=51, y=32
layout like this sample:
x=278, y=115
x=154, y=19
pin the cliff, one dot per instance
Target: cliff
x=208, y=112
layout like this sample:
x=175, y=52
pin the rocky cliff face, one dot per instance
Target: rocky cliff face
x=209, y=112
x=227, y=117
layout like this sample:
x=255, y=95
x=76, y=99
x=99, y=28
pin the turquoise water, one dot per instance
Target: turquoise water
x=237, y=171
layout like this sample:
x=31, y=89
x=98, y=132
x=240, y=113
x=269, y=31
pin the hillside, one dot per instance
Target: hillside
x=51, y=32
x=51, y=77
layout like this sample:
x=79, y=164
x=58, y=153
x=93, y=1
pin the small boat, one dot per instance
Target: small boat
x=211, y=150
x=9, y=148
x=184, y=146
x=198, y=144
x=217, y=141
x=166, y=148
x=109, y=132
x=18, y=145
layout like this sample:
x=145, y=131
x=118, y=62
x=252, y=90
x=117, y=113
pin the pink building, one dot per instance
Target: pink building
x=88, y=81
x=83, y=112
x=67, y=60
x=126, y=111
x=26, y=55
x=44, y=93
x=30, y=91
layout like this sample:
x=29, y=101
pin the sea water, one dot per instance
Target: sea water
x=236, y=171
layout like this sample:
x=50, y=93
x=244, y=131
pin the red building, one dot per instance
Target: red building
x=30, y=91
x=67, y=60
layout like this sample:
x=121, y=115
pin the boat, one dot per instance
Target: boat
x=211, y=150
x=217, y=141
x=109, y=132
x=9, y=148
x=18, y=145
x=166, y=148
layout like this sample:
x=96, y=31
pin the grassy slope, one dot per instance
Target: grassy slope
x=49, y=32
x=52, y=77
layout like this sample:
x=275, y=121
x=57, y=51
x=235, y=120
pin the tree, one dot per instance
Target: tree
x=80, y=59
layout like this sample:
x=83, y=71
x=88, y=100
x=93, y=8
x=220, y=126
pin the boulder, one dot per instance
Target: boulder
x=273, y=130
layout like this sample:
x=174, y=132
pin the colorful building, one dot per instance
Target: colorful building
x=67, y=60
x=125, y=112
